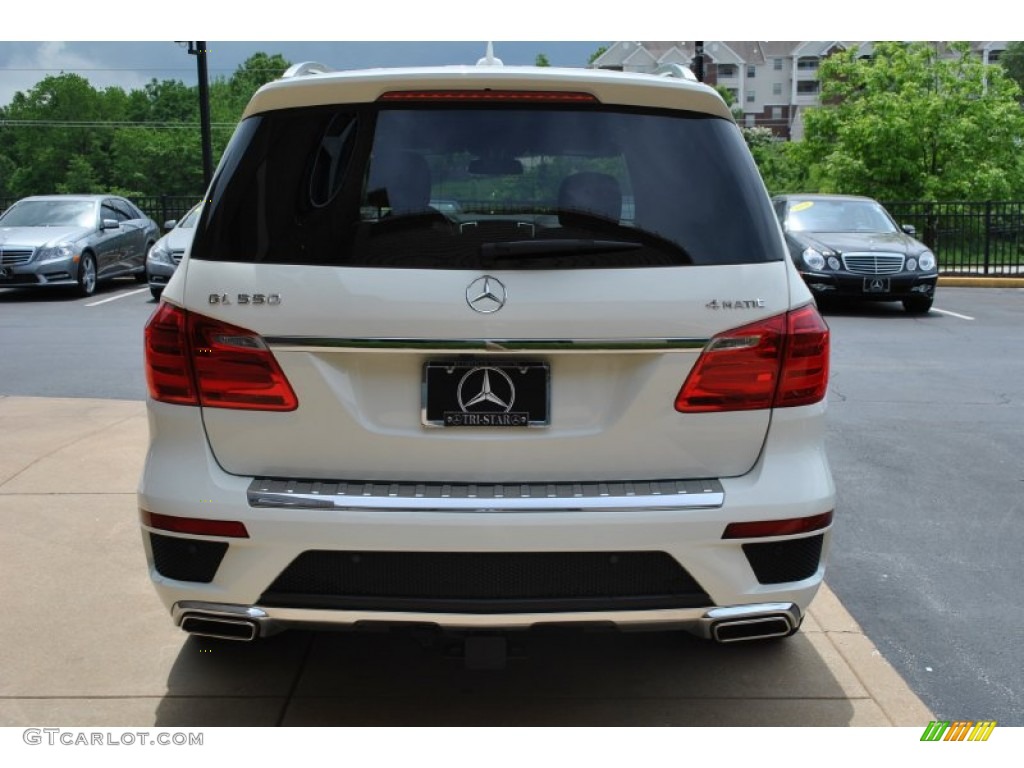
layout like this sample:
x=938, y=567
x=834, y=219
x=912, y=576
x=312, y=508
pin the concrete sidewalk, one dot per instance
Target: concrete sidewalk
x=84, y=640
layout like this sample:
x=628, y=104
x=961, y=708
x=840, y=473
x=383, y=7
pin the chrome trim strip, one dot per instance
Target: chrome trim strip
x=322, y=344
x=486, y=497
x=698, y=621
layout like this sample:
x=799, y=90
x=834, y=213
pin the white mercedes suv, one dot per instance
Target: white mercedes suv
x=486, y=348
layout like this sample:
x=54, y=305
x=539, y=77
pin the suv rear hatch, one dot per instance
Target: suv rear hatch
x=499, y=289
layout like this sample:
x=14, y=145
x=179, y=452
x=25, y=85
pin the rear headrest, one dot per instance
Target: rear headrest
x=596, y=194
x=401, y=181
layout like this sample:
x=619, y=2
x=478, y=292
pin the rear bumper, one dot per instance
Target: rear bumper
x=722, y=624
x=253, y=581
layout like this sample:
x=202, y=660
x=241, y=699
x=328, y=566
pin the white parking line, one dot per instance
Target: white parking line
x=115, y=298
x=952, y=314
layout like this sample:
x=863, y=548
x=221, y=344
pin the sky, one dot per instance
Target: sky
x=119, y=49
x=131, y=64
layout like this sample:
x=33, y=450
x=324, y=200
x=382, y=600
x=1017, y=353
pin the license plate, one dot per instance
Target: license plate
x=876, y=285
x=486, y=394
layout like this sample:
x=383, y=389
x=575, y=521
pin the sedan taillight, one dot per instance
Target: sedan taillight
x=196, y=360
x=781, y=361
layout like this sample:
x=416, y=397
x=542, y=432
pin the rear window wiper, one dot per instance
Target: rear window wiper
x=555, y=247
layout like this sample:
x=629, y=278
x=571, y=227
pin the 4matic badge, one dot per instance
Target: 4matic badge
x=735, y=304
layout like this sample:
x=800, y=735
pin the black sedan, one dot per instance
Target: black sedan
x=850, y=247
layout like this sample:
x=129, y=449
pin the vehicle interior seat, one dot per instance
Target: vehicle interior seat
x=591, y=194
x=400, y=181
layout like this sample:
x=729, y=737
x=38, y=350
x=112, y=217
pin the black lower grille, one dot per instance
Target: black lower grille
x=776, y=562
x=485, y=582
x=20, y=279
x=186, y=559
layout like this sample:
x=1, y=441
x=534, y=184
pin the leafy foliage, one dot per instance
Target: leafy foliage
x=911, y=124
x=1012, y=61
x=63, y=135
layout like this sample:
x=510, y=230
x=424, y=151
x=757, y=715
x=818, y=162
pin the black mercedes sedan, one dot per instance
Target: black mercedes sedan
x=850, y=247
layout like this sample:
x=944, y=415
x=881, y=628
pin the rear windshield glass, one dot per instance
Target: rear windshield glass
x=470, y=187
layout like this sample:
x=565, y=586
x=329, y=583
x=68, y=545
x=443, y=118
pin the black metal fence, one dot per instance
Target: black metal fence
x=163, y=208
x=969, y=238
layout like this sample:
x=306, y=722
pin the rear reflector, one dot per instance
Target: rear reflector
x=781, y=361
x=762, y=528
x=198, y=526
x=196, y=360
x=490, y=96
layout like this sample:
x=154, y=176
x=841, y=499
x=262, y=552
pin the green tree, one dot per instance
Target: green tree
x=42, y=150
x=80, y=178
x=915, y=122
x=541, y=61
x=161, y=160
x=1012, y=61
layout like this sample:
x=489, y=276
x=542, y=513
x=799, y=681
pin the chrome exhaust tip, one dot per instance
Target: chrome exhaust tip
x=220, y=627
x=759, y=628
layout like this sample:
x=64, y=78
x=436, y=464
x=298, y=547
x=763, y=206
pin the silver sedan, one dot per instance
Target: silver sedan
x=73, y=240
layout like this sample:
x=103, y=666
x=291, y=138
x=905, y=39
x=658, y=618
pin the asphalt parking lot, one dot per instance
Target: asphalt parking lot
x=925, y=440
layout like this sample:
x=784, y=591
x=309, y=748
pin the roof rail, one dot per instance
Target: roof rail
x=307, y=68
x=675, y=70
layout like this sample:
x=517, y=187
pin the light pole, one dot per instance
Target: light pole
x=698, y=60
x=198, y=49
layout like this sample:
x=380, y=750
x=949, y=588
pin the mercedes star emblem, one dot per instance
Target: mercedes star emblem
x=497, y=391
x=486, y=295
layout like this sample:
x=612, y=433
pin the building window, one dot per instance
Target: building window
x=807, y=64
x=777, y=64
x=993, y=55
x=807, y=88
x=727, y=70
x=750, y=119
x=776, y=113
x=776, y=89
x=750, y=97
x=751, y=70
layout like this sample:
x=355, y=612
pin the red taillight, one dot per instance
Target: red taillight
x=194, y=525
x=196, y=360
x=168, y=372
x=787, y=527
x=490, y=96
x=781, y=361
x=805, y=368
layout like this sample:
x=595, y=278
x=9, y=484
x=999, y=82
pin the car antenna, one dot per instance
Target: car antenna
x=488, y=60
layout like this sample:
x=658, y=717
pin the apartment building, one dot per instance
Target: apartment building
x=773, y=82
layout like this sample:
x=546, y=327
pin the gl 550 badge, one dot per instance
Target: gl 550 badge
x=246, y=298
